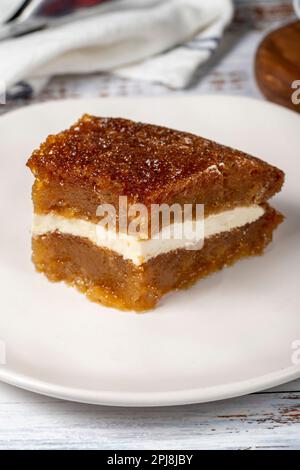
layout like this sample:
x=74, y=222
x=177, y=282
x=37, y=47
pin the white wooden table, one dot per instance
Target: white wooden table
x=261, y=421
x=270, y=419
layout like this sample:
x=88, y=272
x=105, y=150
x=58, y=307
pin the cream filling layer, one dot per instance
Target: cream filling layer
x=138, y=250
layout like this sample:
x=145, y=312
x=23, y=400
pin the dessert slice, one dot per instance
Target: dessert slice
x=99, y=162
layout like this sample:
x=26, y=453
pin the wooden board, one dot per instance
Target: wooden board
x=277, y=65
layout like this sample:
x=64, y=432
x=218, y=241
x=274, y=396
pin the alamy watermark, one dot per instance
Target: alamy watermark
x=157, y=222
x=295, y=97
x=295, y=358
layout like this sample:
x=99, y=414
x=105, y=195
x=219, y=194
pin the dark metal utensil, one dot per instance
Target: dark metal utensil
x=33, y=15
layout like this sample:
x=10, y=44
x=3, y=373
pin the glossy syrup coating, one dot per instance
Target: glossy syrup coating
x=148, y=163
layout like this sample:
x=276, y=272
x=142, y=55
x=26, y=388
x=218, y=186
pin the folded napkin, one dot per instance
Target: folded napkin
x=162, y=41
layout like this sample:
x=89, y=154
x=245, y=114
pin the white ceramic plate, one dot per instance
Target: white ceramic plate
x=233, y=333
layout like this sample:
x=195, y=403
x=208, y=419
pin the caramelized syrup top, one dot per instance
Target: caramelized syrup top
x=134, y=159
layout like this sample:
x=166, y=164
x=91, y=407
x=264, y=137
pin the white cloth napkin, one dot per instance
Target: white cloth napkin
x=163, y=41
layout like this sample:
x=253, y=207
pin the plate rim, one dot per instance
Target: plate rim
x=192, y=97
x=149, y=399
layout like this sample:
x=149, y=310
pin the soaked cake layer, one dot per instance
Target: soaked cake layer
x=106, y=277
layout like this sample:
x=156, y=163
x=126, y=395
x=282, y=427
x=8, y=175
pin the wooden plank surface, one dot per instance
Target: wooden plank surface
x=259, y=421
x=265, y=420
